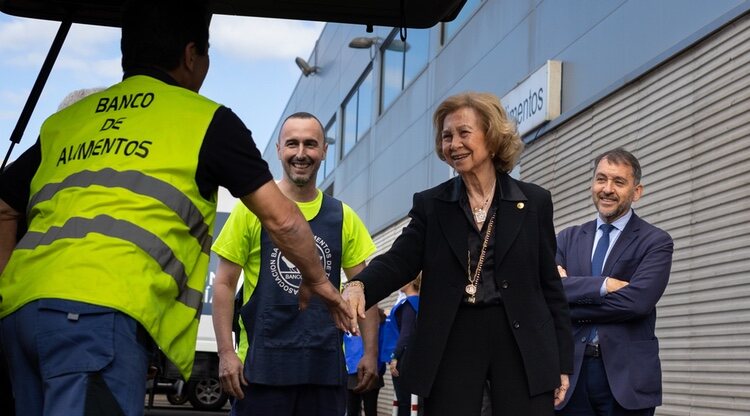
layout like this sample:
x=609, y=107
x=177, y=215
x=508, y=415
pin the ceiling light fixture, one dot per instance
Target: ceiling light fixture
x=306, y=68
x=364, y=42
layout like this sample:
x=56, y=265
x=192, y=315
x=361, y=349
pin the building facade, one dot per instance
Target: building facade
x=668, y=80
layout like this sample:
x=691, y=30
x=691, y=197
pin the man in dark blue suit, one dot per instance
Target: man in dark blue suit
x=614, y=269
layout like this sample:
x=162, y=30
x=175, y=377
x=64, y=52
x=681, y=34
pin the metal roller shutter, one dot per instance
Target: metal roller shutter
x=688, y=121
x=383, y=241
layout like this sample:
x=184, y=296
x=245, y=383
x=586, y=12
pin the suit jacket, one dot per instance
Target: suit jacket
x=642, y=256
x=435, y=242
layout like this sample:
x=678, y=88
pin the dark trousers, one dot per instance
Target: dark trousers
x=7, y=404
x=71, y=358
x=356, y=401
x=593, y=396
x=481, y=347
x=403, y=395
x=298, y=400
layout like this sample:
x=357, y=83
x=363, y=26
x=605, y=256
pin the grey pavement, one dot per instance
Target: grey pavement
x=163, y=408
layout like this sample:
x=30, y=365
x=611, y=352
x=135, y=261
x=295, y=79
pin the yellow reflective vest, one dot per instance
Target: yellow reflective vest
x=115, y=215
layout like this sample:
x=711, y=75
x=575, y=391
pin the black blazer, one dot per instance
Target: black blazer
x=435, y=242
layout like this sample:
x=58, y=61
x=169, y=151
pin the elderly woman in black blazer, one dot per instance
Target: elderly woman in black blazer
x=492, y=306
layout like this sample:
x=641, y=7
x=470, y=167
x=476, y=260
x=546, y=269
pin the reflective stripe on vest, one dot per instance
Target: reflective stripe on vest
x=148, y=242
x=140, y=184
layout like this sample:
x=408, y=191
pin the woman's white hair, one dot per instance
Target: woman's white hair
x=77, y=95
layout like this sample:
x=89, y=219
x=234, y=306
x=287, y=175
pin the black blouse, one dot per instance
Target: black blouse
x=488, y=293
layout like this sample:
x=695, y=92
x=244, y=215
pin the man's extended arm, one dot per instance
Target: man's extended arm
x=292, y=235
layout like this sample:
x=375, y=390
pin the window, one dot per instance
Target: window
x=331, y=134
x=402, y=62
x=357, y=113
x=452, y=27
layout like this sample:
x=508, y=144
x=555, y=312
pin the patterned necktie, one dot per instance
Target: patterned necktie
x=597, y=264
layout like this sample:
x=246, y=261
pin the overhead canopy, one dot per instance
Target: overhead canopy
x=416, y=13
x=419, y=14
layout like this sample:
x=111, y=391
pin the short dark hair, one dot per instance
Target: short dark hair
x=305, y=115
x=155, y=32
x=621, y=156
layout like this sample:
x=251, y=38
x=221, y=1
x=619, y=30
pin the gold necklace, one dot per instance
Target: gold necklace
x=471, y=288
x=480, y=213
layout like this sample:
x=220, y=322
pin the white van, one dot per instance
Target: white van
x=203, y=390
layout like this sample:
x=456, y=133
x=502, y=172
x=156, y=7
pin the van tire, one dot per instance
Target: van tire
x=176, y=399
x=206, y=394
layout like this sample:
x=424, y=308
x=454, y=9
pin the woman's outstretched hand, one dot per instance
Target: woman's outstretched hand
x=337, y=306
